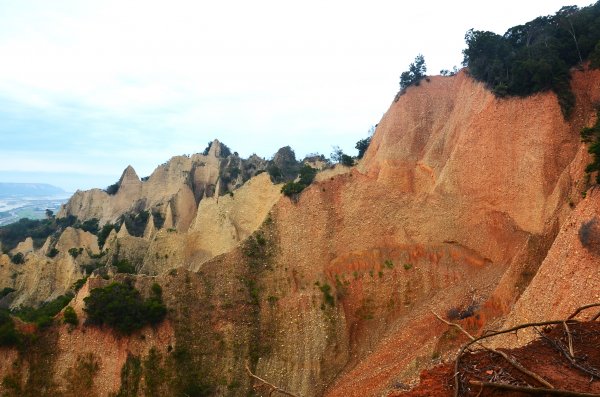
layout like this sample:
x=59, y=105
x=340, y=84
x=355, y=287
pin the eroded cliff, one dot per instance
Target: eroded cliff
x=453, y=208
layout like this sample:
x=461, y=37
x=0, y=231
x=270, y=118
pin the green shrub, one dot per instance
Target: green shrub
x=135, y=223
x=131, y=373
x=291, y=189
x=155, y=310
x=362, y=146
x=415, y=73
x=124, y=266
x=104, y=233
x=43, y=315
x=96, y=256
x=407, y=266
x=154, y=373
x=388, y=264
x=75, y=252
x=274, y=173
x=347, y=161
x=307, y=175
x=79, y=283
x=18, y=258
x=112, y=189
x=595, y=57
x=5, y=291
x=38, y=230
x=69, y=316
x=121, y=307
x=53, y=252
x=90, y=225
x=90, y=267
x=9, y=336
x=156, y=289
x=591, y=136
x=326, y=290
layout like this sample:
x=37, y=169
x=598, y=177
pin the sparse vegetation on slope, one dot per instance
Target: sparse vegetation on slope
x=591, y=135
x=135, y=222
x=103, y=234
x=363, y=144
x=44, y=314
x=293, y=189
x=38, y=230
x=9, y=336
x=70, y=317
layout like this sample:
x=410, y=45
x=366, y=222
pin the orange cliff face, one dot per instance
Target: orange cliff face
x=462, y=192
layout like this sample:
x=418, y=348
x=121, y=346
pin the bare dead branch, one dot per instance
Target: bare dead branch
x=480, y=391
x=582, y=308
x=572, y=359
x=461, y=329
x=490, y=333
x=272, y=388
x=532, y=390
x=508, y=358
x=570, y=339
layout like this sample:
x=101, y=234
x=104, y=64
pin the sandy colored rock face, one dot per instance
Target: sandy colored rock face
x=77, y=238
x=221, y=223
x=24, y=247
x=40, y=278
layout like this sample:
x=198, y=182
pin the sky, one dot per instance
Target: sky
x=90, y=87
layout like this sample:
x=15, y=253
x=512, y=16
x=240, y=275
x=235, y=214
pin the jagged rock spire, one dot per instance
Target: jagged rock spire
x=168, y=224
x=215, y=149
x=112, y=236
x=128, y=176
x=150, y=228
x=123, y=232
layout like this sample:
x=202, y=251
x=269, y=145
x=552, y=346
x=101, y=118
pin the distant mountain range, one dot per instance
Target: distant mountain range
x=29, y=189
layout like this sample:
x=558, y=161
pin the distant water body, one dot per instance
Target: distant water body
x=29, y=200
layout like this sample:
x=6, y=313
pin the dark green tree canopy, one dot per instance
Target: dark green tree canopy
x=536, y=56
x=120, y=306
x=363, y=144
x=416, y=73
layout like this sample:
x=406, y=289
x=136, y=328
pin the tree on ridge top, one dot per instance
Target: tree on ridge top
x=415, y=73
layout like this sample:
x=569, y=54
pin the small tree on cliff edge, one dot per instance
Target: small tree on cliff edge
x=416, y=72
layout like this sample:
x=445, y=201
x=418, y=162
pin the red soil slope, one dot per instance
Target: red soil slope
x=542, y=357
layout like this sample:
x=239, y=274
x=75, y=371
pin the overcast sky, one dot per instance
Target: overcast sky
x=89, y=87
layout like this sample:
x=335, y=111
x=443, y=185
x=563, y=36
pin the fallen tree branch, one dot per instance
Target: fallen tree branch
x=272, y=387
x=582, y=308
x=489, y=334
x=570, y=339
x=532, y=390
x=508, y=358
x=572, y=359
